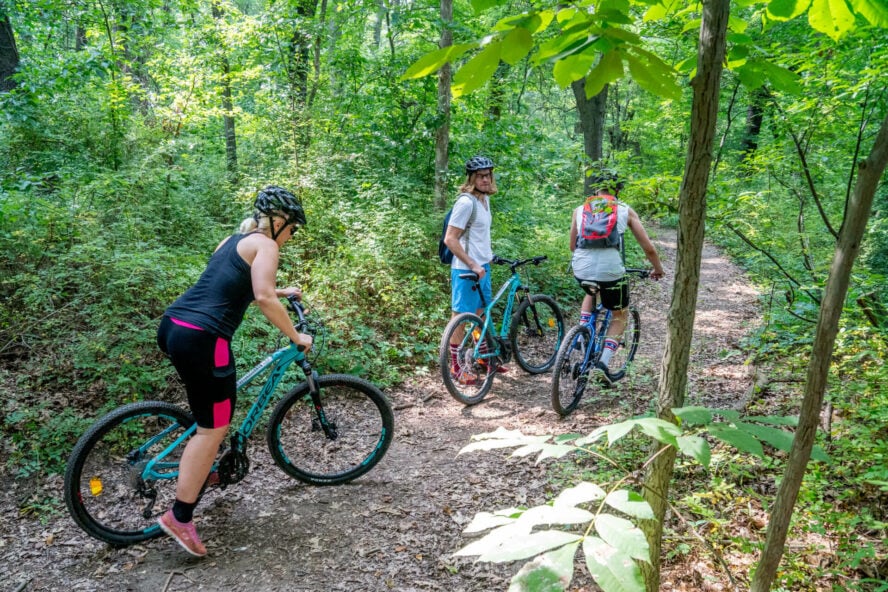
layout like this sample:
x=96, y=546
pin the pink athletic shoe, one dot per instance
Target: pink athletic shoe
x=184, y=533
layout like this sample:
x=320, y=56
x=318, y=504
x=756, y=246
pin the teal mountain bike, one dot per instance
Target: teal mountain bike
x=326, y=430
x=581, y=350
x=532, y=335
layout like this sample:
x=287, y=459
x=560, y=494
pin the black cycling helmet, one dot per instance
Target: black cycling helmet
x=277, y=201
x=607, y=181
x=478, y=163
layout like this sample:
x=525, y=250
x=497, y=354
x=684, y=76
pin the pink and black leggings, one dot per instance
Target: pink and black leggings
x=206, y=365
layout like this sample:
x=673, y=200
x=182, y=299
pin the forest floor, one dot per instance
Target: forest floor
x=398, y=527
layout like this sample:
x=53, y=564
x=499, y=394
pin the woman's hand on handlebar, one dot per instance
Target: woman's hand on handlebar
x=289, y=291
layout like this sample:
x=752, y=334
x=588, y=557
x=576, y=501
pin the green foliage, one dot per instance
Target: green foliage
x=617, y=544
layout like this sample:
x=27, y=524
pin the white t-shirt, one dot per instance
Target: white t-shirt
x=475, y=240
x=603, y=265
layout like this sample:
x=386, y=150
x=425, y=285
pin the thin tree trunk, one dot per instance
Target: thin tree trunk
x=442, y=134
x=591, y=112
x=228, y=123
x=847, y=249
x=691, y=215
x=755, y=115
x=9, y=56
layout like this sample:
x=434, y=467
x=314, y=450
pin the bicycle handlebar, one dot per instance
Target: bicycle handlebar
x=642, y=273
x=296, y=306
x=516, y=263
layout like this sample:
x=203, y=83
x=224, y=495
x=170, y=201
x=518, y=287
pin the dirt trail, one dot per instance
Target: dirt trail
x=397, y=527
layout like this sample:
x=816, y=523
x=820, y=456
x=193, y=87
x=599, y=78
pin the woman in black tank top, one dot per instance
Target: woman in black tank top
x=196, y=332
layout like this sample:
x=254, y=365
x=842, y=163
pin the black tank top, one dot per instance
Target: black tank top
x=219, y=299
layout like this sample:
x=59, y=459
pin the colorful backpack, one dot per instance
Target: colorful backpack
x=599, y=225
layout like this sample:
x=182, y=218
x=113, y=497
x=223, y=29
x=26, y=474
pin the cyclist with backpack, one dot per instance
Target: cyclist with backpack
x=196, y=332
x=596, y=235
x=468, y=238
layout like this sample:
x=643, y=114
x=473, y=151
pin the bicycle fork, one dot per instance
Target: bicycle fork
x=321, y=422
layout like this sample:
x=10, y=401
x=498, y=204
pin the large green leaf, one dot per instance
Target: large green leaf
x=528, y=545
x=659, y=429
x=655, y=13
x=623, y=535
x=433, y=60
x=533, y=22
x=574, y=67
x=630, y=503
x=608, y=69
x=784, y=10
x=550, y=572
x=612, y=570
x=555, y=515
x=695, y=447
x=694, y=415
x=486, y=520
x=775, y=437
x=652, y=74
x=477, y=71
x=875, y=11
x=831, y=17
x=582, y=493
x=738, y=439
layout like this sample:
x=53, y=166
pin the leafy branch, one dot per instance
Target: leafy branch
x=612, y=543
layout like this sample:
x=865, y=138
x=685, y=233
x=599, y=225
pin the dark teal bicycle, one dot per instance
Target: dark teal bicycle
x=532, y=335
x=327, y=430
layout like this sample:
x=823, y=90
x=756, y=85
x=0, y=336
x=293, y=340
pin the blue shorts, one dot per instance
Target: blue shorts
x=462, y=297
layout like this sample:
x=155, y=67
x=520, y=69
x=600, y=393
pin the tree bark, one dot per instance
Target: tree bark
x=591, y=112
x=442, y=134
x=9, y=56
x=847, y=249
x=755, y=115
x=228, y=123
x=692, y=216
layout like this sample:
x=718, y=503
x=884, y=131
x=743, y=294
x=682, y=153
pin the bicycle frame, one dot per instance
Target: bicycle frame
x=280, y=361
x=513, y=284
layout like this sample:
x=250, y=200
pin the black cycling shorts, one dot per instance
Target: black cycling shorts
x=206, y=365
x=612, y=295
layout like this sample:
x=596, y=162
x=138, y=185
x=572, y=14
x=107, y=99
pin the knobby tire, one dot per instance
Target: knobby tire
x=569, y=378
x=536, y=331
x=103, y=486
x=358, y=412
x=467, y=394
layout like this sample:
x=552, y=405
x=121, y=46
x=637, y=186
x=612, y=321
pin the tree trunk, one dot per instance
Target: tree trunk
x=591, y=112
x=691, y=216
x=442, y=134
x=227, y=106
x=755, y=114
x=847, y=249
x=9, y=56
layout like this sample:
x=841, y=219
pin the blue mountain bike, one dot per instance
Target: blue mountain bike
x=581, y=350
x=326, y=430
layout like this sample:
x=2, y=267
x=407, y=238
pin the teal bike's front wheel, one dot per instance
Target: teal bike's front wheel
x=360, y=427
x=536, y=332
x=571, y=373
x=105, y=488
x=467, y=375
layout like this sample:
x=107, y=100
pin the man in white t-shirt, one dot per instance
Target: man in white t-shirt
x=468, y=237
x=604, y=265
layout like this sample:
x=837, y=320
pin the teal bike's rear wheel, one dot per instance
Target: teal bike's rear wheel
x=105, y=491
x=571, y=373
x=536, y=332
x=469, y=378
x=360, y=429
